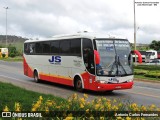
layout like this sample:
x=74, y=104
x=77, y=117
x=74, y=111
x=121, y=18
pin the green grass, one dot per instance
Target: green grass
x=145, y=78
x=14, y=59
x=148, y=72
x=9, y=94
x=147, y=67
x=29, y=100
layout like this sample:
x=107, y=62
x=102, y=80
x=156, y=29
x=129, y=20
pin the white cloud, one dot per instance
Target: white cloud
x=51, y=17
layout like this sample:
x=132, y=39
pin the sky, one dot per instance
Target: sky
x=45, y=18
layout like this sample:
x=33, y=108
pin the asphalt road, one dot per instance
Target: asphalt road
x=143, y=93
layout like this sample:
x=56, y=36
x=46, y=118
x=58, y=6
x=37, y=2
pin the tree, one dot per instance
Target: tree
x=12, y=51
x=155, y=45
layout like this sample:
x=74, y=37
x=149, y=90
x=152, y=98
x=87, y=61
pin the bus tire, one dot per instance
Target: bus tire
x=36, y=79
x=78, y=84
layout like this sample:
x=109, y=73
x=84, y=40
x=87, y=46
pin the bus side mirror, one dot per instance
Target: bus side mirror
x=97, y=57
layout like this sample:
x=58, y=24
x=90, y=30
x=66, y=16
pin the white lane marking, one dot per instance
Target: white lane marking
x=24, y=81
x=10, y=77
x=40, y=85
x=148, y=95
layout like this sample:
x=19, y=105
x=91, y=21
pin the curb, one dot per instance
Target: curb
x=145, y=80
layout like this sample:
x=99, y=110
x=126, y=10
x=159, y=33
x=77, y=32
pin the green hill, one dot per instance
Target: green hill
x=13, y=40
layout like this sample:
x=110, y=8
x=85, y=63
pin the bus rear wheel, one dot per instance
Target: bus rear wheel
x=78, y=85
x=36, y=79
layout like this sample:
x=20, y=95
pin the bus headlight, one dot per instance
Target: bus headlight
x=100, y=81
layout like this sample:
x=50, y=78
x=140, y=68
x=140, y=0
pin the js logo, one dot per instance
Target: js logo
x=55, y=60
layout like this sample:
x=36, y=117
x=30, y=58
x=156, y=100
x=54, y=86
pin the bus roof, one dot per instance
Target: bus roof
x=80, y=35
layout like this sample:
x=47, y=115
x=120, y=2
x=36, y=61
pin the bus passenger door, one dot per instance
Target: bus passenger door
x=88, y=58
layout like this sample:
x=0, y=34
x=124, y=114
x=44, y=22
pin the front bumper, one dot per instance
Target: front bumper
x=119, y=86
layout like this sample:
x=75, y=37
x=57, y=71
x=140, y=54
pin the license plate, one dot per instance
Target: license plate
x=118, y=87
x=113, y=80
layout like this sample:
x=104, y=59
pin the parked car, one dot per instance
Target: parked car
x=155, y=61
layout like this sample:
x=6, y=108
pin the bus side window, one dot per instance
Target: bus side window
x=46, y=47
x=76, y=47
x=38, y=47
x=32, y=48
x=65, y=47
x=88, y=55
x=26, y=48
x=55, y=47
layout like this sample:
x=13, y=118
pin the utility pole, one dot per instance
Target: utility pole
x=6, y=23
x=135, y=31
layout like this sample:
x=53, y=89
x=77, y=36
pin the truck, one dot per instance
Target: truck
x=3, y=51
x=152, y=56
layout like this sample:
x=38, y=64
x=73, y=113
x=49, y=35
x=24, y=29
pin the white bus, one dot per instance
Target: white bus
x=151, y=55
x=83, y=60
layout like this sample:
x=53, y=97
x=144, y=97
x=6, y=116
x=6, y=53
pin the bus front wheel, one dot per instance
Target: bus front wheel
x=36, y=79
x=78, y=85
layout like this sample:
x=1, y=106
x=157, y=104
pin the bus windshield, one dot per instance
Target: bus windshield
x=115, y=57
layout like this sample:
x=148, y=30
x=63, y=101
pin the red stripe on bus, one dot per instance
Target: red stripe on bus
x=61, y=80
x=27, y=69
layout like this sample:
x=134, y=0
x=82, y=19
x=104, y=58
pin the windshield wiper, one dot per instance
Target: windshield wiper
x=119, y=63
x=115, y=64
